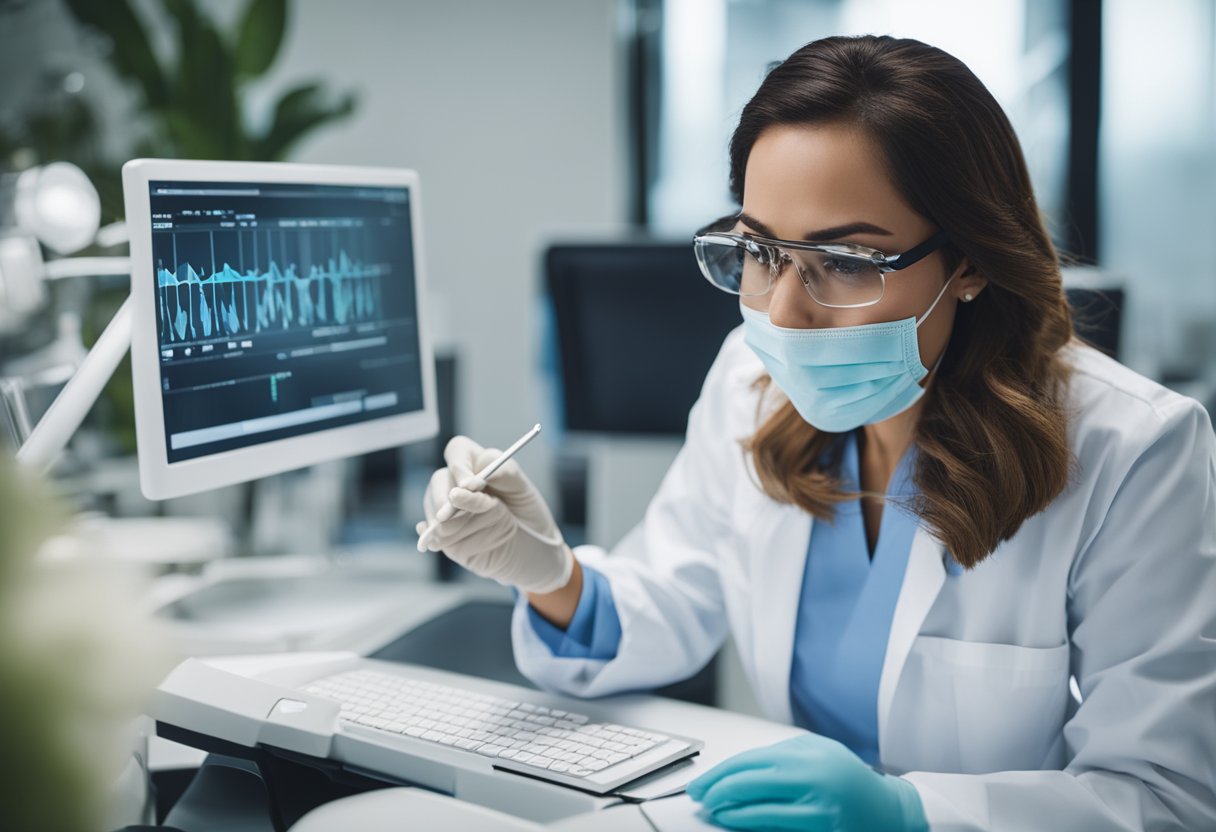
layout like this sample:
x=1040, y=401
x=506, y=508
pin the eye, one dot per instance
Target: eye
x=847, y=266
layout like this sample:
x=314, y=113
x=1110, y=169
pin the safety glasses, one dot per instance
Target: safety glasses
x=838, y=275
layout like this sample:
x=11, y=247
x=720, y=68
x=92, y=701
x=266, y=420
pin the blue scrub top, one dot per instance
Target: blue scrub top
x=844, y=615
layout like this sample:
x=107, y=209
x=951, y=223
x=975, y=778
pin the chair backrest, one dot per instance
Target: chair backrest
x=637, y=329
x=1098, y=302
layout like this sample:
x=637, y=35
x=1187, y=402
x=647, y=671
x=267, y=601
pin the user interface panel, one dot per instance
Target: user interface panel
x=282, y=309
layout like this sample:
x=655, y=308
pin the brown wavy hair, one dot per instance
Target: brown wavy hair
x=992, y=434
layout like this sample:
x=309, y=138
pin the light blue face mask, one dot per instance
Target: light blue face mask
x=843, y=377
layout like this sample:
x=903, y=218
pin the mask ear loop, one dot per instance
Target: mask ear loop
x=933, y=305
x=925, y=317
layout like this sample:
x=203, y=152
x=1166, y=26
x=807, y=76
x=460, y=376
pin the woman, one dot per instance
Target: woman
x=917, y=502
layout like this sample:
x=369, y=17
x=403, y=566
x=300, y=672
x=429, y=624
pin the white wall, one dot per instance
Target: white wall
x=513, y=114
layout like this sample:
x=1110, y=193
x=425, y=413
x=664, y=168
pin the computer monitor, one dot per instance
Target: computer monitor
x=277, y=318
x=637, y=328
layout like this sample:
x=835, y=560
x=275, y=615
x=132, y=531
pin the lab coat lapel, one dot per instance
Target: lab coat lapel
x=923, y=579
x=779, y=534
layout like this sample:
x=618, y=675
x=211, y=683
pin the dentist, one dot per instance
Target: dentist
x=917, y=502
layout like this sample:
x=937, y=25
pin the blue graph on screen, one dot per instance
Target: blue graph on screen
x=226, y=301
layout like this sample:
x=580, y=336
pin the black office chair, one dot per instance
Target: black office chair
x=1097, y=317
x=637, y=328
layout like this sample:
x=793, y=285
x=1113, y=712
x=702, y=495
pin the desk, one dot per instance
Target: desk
x=470, y=777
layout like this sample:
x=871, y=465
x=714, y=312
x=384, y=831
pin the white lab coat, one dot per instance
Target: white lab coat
x=1113, y=584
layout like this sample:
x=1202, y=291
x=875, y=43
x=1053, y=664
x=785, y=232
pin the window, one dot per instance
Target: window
x=714, y=54
x=1157, y=177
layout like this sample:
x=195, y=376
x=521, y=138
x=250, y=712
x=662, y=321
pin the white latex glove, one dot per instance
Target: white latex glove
x=501, y=530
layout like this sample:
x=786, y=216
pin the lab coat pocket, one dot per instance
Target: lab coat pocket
x=1002, y=705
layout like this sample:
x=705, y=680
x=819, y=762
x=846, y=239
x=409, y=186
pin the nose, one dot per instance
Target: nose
x=789, y=303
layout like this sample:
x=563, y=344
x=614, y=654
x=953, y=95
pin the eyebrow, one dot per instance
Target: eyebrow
x=823, y=235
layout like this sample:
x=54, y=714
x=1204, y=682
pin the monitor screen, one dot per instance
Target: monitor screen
x=281, y=309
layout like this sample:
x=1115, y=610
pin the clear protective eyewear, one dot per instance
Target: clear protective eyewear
x=838, y=275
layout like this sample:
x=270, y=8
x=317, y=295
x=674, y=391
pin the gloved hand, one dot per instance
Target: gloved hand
x=505, y=531
x=809, y=783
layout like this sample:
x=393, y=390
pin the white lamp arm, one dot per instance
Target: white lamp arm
x=63, y=417
x=86, y=267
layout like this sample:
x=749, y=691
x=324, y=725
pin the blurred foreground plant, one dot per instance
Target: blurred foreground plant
x=77, y=660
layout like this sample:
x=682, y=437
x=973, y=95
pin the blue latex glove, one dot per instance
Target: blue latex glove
x=810, y=783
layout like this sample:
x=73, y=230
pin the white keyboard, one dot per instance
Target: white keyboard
x=548, y=743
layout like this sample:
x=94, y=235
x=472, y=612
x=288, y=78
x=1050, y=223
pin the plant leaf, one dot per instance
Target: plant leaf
x=207, y=120
x=298, y=112
x=63, y=127
x=259, y=36
x=133, y=57
x=185, y=138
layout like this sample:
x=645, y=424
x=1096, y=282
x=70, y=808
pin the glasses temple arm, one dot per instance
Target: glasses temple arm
x=917, y=253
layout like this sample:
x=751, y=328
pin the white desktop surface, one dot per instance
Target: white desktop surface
x=283, y=603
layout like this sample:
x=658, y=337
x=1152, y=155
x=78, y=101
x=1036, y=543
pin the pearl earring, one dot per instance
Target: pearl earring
x=968, y=297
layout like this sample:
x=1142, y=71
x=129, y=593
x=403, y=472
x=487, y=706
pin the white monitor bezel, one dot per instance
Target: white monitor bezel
x=160, y=479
